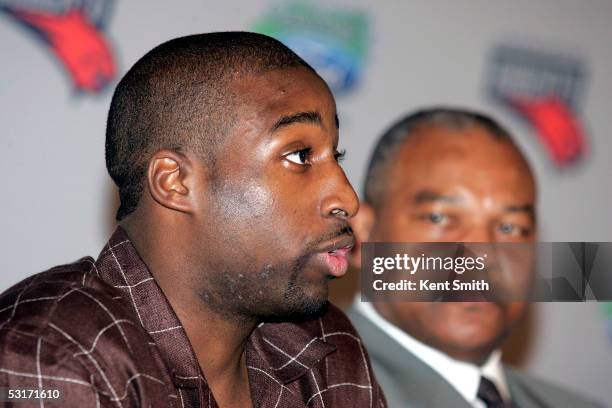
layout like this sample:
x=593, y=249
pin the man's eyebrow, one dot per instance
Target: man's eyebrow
x=528, y=208
x=299, y=117
x=429, y=196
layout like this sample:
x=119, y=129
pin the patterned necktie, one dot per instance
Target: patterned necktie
x=489, y=394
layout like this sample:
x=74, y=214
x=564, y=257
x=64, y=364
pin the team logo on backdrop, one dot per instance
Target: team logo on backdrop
x=332, y=40
x=74, y=32
x=545, y=89
x=607, y=310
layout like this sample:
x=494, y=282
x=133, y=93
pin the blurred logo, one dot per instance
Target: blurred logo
x=607, y=309
x=73, y=31
x=333, y=41
x=545, y=90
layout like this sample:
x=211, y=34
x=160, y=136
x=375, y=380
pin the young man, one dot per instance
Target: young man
x=233, y=218
x=446, y=175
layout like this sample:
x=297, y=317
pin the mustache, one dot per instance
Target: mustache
x=342, y=230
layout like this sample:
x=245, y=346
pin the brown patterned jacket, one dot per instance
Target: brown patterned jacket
x=103, y=334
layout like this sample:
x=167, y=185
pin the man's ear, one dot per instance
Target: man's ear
x=168, y=177
x=362, y=224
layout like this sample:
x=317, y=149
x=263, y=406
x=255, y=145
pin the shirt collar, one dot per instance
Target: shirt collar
x=493, y=369
x=464, y=377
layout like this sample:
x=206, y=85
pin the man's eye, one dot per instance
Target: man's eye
x=300, y=157
x=507, y=228
x=436, y=217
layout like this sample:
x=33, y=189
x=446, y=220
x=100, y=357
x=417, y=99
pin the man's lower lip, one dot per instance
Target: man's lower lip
x=336, y=263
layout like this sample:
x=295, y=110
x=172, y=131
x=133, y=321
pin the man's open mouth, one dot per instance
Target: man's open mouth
x=335, y=256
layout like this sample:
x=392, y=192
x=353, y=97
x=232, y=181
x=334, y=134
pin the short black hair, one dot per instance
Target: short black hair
x=179, y=96
x=391, y=141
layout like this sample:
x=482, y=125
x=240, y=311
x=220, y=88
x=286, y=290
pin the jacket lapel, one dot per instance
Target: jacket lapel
x=404, y=378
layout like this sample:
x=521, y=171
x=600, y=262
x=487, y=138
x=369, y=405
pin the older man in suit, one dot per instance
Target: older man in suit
x=448, y=175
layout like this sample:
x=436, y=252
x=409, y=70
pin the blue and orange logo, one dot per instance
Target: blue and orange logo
x=333, y=41
x=74, y=33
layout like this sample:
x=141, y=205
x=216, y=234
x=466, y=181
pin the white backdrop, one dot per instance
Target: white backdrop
x=58, y=202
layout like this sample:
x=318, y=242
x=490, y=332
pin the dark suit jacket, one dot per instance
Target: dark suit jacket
x=408, y=382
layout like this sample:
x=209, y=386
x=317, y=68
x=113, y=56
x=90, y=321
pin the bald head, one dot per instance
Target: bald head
x=180, y=96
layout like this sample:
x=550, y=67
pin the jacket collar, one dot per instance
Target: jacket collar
x=120, y=266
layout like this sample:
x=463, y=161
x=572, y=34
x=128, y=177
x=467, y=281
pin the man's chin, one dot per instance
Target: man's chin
x=470, y=351
x=471, y=345
x=307, y=309
x=302, y=302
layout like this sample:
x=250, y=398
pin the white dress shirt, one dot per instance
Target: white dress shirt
x=464, y=377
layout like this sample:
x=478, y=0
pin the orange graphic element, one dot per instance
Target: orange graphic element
x=77, y=43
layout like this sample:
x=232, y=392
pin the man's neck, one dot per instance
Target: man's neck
x=476, y=357
x=220, y=347
x=218, y=339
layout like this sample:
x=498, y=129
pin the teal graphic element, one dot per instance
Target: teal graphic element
x=333, y=40
x=607, y=310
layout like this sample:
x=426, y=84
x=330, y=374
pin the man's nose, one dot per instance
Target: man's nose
x=339, y=199
x=480, y=232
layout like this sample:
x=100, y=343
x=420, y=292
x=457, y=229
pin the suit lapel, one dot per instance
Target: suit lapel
x=405, y=379
x=522, y=395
